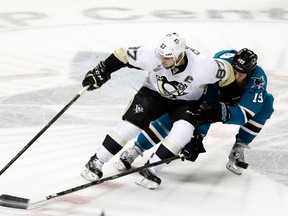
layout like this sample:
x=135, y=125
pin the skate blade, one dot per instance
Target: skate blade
x=118, y=164
x=147, y=183
x=88, y=175
x=233, y=168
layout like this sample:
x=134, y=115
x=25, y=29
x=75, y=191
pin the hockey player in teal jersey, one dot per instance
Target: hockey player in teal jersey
x=249, y=106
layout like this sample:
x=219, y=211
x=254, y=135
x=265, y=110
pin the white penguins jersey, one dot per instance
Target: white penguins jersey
x=186, y=85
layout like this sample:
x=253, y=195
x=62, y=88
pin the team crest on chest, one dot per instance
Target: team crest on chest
x=170, y=89
x=258, y=82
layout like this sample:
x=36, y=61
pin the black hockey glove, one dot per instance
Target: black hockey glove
x=230, y=94
x=209, y=113
x=97, y=77
x=193, y=148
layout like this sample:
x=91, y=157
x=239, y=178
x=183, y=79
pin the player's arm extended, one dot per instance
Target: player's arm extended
x=99, y=75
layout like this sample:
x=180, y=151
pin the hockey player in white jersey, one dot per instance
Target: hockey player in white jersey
x=250, y=106
x=177, y=76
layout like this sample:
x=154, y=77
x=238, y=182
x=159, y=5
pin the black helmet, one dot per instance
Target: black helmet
x=244, y=61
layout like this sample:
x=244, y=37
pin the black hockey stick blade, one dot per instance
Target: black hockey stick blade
x=18, y=202
x=24, y=203
x=13, y=201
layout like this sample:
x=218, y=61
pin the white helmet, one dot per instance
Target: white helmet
x=172, y=45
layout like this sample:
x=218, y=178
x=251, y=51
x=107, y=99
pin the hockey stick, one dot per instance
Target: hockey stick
x=24, y=203
x=44, y=129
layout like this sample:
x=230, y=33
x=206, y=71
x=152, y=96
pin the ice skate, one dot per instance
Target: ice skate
x=149, y=180
x=236, y=162
x=93, y=169
x=127, y=157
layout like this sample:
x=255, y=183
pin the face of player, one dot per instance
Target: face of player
x=239, y=77
x=167, y=62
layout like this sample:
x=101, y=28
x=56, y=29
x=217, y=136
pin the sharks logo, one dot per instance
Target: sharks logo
x=258, y=82
x=170, y=89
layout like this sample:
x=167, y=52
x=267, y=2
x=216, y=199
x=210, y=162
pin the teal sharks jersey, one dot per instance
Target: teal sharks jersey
x=254, y=97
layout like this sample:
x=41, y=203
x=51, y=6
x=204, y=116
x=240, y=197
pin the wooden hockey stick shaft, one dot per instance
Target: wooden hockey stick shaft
x=43, y=130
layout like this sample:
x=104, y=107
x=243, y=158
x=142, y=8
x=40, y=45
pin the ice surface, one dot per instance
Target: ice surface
x=46, y=50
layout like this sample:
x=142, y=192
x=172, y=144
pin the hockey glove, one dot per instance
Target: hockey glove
x=193, y=148
x=97, y=77
x=209, y=113
x=230, y=94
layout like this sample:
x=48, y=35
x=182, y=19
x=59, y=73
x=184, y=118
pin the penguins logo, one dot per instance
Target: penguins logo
x=170, y=89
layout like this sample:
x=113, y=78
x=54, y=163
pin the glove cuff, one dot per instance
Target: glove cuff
x=226, y=114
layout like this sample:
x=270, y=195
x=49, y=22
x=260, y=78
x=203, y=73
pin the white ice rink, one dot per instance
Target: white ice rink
x=47, y=46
